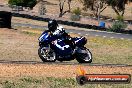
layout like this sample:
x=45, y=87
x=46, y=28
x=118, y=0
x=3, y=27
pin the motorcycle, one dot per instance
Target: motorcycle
x=52, y=49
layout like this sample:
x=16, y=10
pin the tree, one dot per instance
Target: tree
x=118, y=6
x=24, y=3
x=16, y=2
x=61, y=6
x=69, y=5
x=42, y=8
x=96, y=6
x=30, y=3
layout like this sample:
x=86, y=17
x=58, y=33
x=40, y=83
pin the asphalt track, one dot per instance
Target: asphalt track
x=63, y=63
x=83, y=32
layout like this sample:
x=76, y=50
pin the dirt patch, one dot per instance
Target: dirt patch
x=17, y=46
x=42, y=23
x=53, y=70
x=3, y=1
x=28, y=21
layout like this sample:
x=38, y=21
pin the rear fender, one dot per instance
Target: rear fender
x=80, y=41
x=61, y=48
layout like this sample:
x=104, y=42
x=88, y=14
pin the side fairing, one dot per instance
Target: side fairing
x=43, y=37
x=61, y=48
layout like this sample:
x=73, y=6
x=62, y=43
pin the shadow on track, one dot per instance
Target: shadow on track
x=62, y=63
x=37, y=62
x=19, y=62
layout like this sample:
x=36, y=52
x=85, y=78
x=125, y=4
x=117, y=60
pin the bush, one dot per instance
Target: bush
x=24, y=3
x=76, y=14
x=16, y=2
x=120, y=18
x=118, y=26
x=76, y=11
x=31, y=3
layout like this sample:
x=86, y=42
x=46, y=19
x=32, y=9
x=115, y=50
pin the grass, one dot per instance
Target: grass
x=114, y=51
x=31, y=32
x=21, y=83
x=51, y=82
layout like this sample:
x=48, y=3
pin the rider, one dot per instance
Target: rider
x=59, y=32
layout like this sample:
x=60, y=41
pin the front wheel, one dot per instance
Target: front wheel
x=46, y=54
x=84, y=55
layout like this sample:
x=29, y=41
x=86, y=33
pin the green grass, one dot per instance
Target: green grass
x=60, y=82
x=26, y=82
x=51, y=82
x=19, y=27
x=29, y=33
x=114, y=51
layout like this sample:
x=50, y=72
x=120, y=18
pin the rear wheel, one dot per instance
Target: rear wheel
x=84, y=56
x=46, y=54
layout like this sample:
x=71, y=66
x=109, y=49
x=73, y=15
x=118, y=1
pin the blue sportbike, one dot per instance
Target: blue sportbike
x=52, y=49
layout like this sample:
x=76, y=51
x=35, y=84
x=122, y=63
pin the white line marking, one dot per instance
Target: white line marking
x=96, y=35
x=112, y=37
x=79, y=33
x=71, y=32
x=122, y=38
x=86, y=34
x=104, y=36
x=118, y=33
x=30, y=27
x=101, y=31
x=127, y=34
x=110, y=32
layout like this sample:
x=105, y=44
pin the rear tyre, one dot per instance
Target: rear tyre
x=46, y=55
x=85, y=56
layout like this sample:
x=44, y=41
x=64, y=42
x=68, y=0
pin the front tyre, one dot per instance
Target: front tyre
x=84, y=55
x=46, y=54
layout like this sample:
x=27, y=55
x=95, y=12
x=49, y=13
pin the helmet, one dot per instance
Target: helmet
x=52, y=25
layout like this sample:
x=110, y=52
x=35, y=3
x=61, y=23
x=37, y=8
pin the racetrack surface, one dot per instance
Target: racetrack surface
x=63, y=63
x=83, y=31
